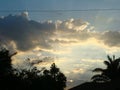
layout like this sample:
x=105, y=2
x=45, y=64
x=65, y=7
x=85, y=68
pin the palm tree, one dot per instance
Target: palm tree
x=111, y=72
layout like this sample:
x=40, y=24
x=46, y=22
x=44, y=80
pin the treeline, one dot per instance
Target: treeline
x=29, y=79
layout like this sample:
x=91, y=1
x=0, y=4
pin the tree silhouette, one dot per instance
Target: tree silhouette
x=29, y=79
x=5, y=61
x=56, y=80
x=58, y=76
x=110, y=73
x=5, y=68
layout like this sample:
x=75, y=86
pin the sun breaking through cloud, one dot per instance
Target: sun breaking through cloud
x=71, y=42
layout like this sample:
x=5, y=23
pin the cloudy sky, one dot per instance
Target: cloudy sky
x=75, y=34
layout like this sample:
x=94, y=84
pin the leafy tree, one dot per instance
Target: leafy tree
x=56, y=80
x=5, y=61
x=58, y=76
x=29, y=79
x=5, y=68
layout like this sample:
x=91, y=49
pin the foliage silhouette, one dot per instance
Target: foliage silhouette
x=107, y=79
x=30, y=79
x=5, y=61
x=110, y=73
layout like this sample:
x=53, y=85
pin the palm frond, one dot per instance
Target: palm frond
x=98, y=70
x=100, y=78
x=113, y=57
x=110, y=59
x=96, y=76
x=107, y=63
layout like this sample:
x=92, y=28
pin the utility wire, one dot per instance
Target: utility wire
x=79, y=10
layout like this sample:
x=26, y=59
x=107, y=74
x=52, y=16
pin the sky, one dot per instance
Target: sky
x=75, y=34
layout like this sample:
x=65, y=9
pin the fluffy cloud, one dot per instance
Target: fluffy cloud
x=66, y=43
x=72, y=24
x=25, y=33
x=19, y=32
x=111, y=38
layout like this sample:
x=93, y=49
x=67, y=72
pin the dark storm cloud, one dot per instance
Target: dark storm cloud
x=27, y=34
x=24, y=32
x=111, y=38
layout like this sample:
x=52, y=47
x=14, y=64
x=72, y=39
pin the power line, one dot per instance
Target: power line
x=75, y=10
